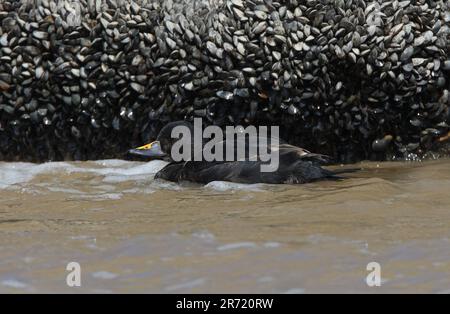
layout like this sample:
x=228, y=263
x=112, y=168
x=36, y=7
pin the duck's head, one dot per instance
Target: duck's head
x=161, y=148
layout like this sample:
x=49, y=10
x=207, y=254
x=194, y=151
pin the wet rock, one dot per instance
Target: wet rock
x=334, y=75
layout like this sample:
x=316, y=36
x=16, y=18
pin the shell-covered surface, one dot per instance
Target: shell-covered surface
x=353, y=79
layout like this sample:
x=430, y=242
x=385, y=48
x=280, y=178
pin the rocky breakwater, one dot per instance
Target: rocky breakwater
x=353, y=79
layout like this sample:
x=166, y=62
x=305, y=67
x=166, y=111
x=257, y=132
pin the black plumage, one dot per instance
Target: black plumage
x=296, y=165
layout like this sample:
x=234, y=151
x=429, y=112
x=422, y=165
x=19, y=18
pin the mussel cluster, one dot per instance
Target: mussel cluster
x=353, y=79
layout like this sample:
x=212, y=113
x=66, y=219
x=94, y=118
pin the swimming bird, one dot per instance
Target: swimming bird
x=295, y=165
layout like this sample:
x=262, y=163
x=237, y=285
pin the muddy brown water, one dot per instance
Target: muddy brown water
x=131, y=233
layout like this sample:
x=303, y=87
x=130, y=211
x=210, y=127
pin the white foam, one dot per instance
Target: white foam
x=272, y=244
x=223, y=186
x=187, y=285
x=111, y=163
x=117, y=171
x=113, y=171
x=204, y=235
x=104, y=275
x=108, y=196
x=13, y=283
x=110, y=172
x=16, y=173
x=63, y=190
x=238, y=245
x=135, y=170
x=114, y=178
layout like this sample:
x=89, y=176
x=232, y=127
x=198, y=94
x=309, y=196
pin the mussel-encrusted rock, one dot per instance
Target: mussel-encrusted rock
x=350, y=78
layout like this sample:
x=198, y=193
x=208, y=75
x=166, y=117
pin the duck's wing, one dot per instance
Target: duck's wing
x=170, y=172
x=253, y=148
x=205, y=172
x=199, y=171
x=237, y=171
x=268, y=146
x=294, y=152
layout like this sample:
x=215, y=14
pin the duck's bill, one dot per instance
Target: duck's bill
x=152, y=150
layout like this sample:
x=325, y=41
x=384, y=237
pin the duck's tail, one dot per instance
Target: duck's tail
x=336, y=174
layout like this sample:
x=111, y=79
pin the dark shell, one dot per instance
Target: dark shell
x=336, y=76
